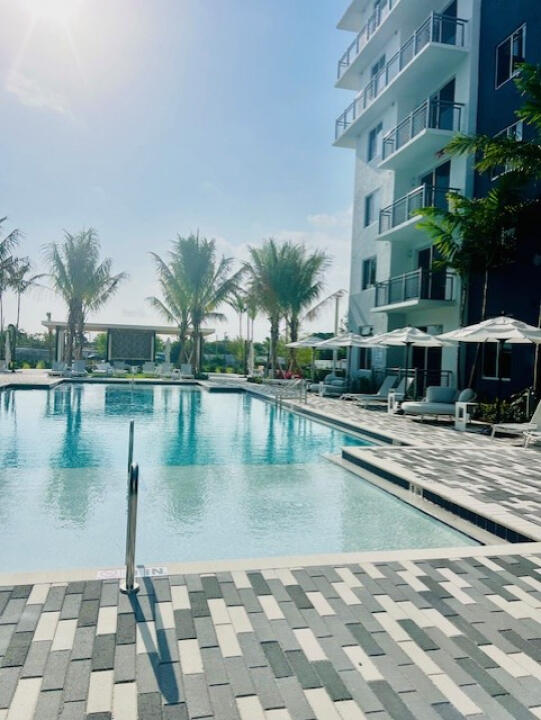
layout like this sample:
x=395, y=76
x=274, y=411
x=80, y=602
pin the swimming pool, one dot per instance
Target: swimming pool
x=221, y=476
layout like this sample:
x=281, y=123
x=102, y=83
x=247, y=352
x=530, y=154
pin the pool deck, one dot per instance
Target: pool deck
x=407, y=635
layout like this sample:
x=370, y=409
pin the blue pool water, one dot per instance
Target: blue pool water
x=222, y=476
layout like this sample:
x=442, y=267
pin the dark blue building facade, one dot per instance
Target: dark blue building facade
x=510, y=32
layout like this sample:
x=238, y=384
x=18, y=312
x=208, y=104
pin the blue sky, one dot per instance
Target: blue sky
x=144, y=118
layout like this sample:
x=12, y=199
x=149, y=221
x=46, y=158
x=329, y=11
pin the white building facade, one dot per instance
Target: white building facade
x=413, y=65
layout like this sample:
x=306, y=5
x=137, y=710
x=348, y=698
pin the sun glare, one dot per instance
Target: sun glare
x=59, y=11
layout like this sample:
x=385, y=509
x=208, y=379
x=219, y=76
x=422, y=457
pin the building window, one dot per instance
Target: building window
x=496, y=360
x=513, y=132
x=509, y=54
x=365, y=358
x=369, y=273
x=371, y=208
x=374, y=142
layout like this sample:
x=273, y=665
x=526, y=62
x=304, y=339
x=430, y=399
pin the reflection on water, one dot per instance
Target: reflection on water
x=222, y=476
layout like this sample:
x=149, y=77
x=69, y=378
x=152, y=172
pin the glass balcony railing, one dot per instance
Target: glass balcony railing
x=373, y=23
x=406, y=207
x=439, y=115
x=436, y=28
x=420, y=284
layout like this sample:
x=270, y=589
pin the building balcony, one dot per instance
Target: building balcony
x=397, y=222
x=417, y=290
x=421, y=134
x=350, y=59
x=430, y=54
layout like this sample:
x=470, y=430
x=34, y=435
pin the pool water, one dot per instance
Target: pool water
x=221, y=476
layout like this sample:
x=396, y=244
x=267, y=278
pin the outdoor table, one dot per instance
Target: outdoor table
x=462, y=415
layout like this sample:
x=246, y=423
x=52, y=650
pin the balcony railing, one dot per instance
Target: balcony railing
x=420, y=284
x=406, y=207
x=373, y=23
x=436, y=28
x=439, y=115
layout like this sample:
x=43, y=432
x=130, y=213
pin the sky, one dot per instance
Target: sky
x=148, y=118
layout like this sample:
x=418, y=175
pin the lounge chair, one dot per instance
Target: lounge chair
x=519, y=428
x=165, y=370
x=439, y=401
x=149, y=368
x=119, y=368
x=399, y=391
x=58, y=369
x=332, y=386
x=103, y=368
x=186, y=371
x=78, y=369
x=381, y=394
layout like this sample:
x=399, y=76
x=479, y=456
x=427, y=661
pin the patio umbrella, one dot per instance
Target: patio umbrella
x=500, y=329
x=308, y=342
x=408, y=337
x=347, y=340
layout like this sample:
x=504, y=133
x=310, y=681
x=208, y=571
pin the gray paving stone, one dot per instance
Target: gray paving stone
x=213, y=664
x=36, y=659
x=77, y=680
x=211, y=587
x=230, y=593
x=109, y=594
x=92, y=590
x=21, y=591
x=283, y=633
x=6, y=631
x=193, y=582
x=103, y=655
x=332, y=681
x=205, y=632
x=73, y=711
x=55, y=598
x=55, y=670
x=276, y=659
x=83, y=644
x=239, y=677
x=125, y=629
x=12, y=612
x=8, y=682
x=259, y=583
x=252, y=650
x=169, y=683
x=198, y=604
x=17, y=649
x=391, y=700
x=149, y=706
x=144, y=607
x=146, y=668
x=299, y=597
x=223, y=703
x=365, y=640
x=29, y=618
x=361, y=692
x=250, y=601
x=48, y=705
x=162, y=589
x=197, y=697
x=304, y=670
x=175, y=712
x=88, y=614
x=184, y=625
x=71, y=606
x=294, y=699
x=266, y=688
x=167, y=645
x=124, y=663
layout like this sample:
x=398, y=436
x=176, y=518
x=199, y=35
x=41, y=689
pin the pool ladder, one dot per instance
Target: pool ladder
x=130, y=586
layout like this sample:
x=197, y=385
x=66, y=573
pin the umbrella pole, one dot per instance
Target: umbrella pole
x=313, y=364
x=406, y=372
x=499, y=398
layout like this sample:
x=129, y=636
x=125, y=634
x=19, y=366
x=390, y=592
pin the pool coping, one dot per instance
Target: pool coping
x=204, y=567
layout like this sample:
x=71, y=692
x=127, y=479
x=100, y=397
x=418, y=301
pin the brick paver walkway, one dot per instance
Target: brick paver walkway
x=408, y=640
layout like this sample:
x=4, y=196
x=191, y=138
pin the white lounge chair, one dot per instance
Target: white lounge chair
x=186, y=371
x=149, y=368
x=439, y=401
x=520, y=428
x=381, y=394
x=104, y=368
x=400, y=391
x=58, y=369
x=119, y=368
x=78, y=369
x=165, y=370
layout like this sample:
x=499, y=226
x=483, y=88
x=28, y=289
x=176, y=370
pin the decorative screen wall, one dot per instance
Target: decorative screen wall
x=131, y=345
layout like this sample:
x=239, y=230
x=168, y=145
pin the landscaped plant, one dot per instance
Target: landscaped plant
x=82, y=281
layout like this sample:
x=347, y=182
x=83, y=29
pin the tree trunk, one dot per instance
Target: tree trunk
x=18, y=310
x=195, y=338
x=293, y=336
x=274, y=334
x=473, y=372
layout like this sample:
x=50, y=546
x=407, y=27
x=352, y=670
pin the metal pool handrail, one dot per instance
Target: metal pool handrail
x=130, y=586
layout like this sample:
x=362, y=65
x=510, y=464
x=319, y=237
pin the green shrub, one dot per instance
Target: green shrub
x=41, y=365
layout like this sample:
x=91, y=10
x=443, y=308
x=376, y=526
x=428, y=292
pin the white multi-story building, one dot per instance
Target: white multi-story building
x=414, y=67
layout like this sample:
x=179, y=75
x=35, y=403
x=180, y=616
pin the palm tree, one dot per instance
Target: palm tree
x=195, y=284
x=303, y=286
x=238, y=302
x=520, y=157
x=267, y=277
x=21, y=281
x=82, y=281
x=7, y=245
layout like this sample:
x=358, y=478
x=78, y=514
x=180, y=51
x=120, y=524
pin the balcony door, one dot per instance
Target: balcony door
x=441, y=107
x=436, y=184
x=432, y=282
x=427, y=362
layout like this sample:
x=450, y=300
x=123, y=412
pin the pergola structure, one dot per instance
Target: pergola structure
x=124, y=342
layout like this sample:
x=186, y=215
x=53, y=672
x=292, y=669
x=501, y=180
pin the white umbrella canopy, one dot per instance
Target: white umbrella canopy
x=310, y=341
x=407, y=336
x=502, y=329
x=345, y=340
